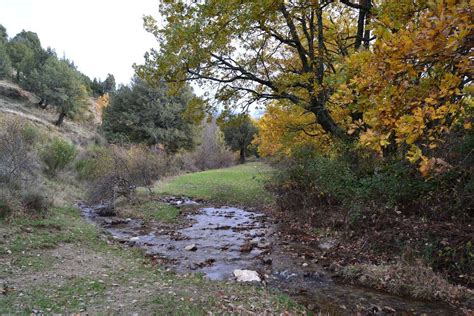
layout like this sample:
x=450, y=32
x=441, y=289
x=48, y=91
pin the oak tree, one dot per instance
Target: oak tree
x=255, y=51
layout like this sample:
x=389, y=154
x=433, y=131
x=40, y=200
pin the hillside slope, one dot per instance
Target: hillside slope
x=16, y=102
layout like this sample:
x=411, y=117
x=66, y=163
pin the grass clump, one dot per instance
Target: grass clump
x=150, y=210
x=414, y=280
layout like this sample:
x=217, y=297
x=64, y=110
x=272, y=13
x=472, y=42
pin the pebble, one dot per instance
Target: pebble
x=191, y=247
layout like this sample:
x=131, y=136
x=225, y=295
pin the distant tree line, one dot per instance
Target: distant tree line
x=141, y=112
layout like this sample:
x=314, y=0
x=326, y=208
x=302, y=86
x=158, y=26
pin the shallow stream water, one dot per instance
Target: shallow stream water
x=223, y=239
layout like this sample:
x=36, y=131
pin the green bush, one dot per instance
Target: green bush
x=90, y=163
x=309, y=183
x=30, y=133
x=57, y=155
x=85, y=168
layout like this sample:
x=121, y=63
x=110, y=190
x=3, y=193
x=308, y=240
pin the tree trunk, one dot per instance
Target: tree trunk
x=242, y=156
x=60, y=120
x=367, y=21
x=363, y=34
x=324, y=118
x=43, y=103
x=360, y=27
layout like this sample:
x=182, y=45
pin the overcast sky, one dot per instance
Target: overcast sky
x=100, y=36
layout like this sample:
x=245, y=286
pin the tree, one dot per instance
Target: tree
x=258, y=50
x=279, y=132
x=102, y=87
x=61, y=86
x=96, y=87
x=414, y=89
x=102, y=102
x=142, y=113
x=350, y=64
x=239, y=131
x=109, y=84
x=21, y=57
x=26, y=54
x=5, y=64
x=3, y=34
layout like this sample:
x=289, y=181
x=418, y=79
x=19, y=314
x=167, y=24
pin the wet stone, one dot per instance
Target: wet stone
x=246, y=276
x=267, y=261
x=191, y=247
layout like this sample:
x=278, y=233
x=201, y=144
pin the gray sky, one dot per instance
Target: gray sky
x=100, y=36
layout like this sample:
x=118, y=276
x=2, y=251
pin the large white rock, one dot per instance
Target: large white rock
x=246, y=276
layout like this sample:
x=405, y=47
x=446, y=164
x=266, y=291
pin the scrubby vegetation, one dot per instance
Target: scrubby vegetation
x=114, y=172
x=384, y=199
x=19, y=169
x=57, y=155
x=211, y=151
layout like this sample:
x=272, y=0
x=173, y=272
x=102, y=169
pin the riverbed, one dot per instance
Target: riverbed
x=216, y=241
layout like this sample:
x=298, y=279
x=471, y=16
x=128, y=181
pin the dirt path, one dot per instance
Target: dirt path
x=30, y=117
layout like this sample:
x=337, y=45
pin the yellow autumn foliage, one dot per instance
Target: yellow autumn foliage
x=412, y=87
x=101, y=103
x=286, y=127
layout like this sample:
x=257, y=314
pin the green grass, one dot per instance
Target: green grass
x=159, y=211
x=147, y=208
x=72, y=296
x=59, y=226
x=126, y=273
x=240, y=185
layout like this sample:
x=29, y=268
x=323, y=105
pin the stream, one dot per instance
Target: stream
x=217, y=241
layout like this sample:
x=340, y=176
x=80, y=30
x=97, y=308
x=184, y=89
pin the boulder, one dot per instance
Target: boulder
x=246, y=276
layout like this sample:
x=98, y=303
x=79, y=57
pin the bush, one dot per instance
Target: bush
x=323, y=183
x=17, y=154
x=35, y=202
x=5, y=207
x=145, y=166
x=382, y=201
x=116, y=171
x=87, y=166
x=212, y=153
x=57, y=155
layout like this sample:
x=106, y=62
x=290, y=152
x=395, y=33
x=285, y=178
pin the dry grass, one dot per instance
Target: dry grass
x=413, y=280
